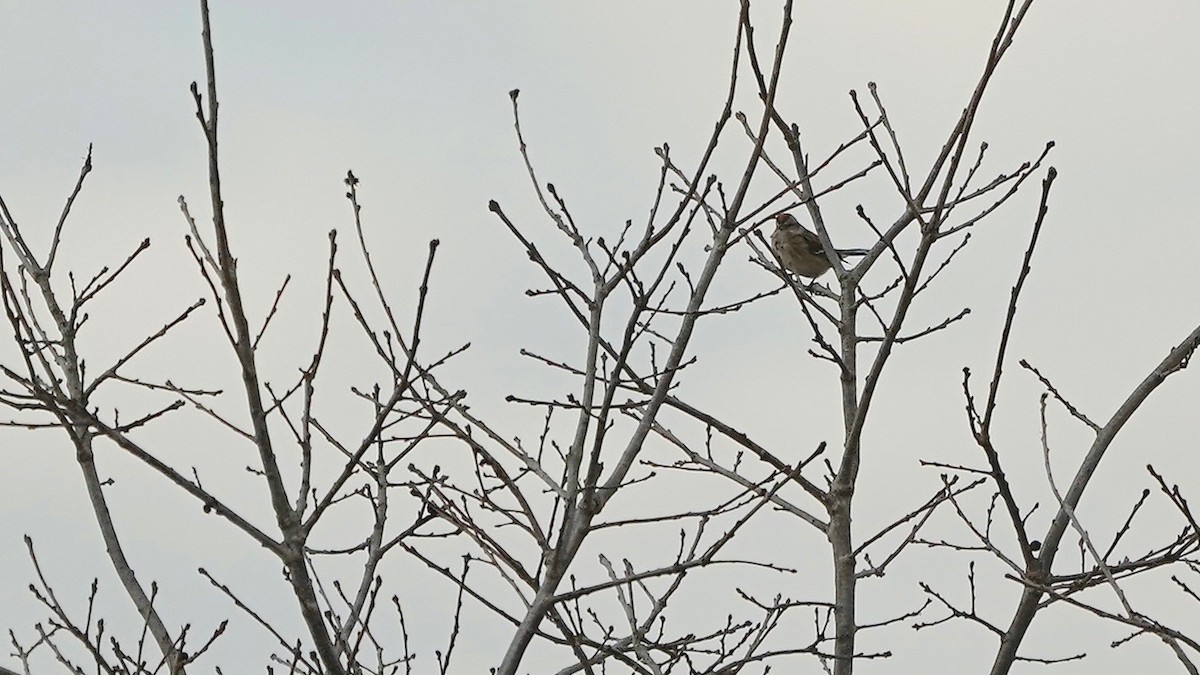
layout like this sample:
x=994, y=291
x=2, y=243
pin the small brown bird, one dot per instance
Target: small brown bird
x=801, y=250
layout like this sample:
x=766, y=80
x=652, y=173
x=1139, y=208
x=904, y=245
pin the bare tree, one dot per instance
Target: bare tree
x=513, y=525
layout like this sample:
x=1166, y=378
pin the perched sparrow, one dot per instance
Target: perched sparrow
x=800, y=250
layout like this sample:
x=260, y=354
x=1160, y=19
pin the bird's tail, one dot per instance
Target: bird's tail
x=852, y=251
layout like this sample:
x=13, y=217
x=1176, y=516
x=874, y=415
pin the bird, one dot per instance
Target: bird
x=800, y=249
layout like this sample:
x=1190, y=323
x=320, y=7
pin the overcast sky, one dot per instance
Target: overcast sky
x=413, y=97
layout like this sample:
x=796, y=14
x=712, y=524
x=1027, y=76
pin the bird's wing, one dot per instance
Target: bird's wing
x=811, y=242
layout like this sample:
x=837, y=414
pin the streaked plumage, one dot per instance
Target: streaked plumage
x=801, y=250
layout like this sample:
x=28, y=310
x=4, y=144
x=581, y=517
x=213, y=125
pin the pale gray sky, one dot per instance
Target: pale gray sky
x=413, y=98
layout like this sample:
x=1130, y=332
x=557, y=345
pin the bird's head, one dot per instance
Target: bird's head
x=786, y=220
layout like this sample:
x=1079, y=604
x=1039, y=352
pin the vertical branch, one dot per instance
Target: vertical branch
x=595, y=304
x=982, y=430
x=292, y=548
x=227, y=271
x=857, y=405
